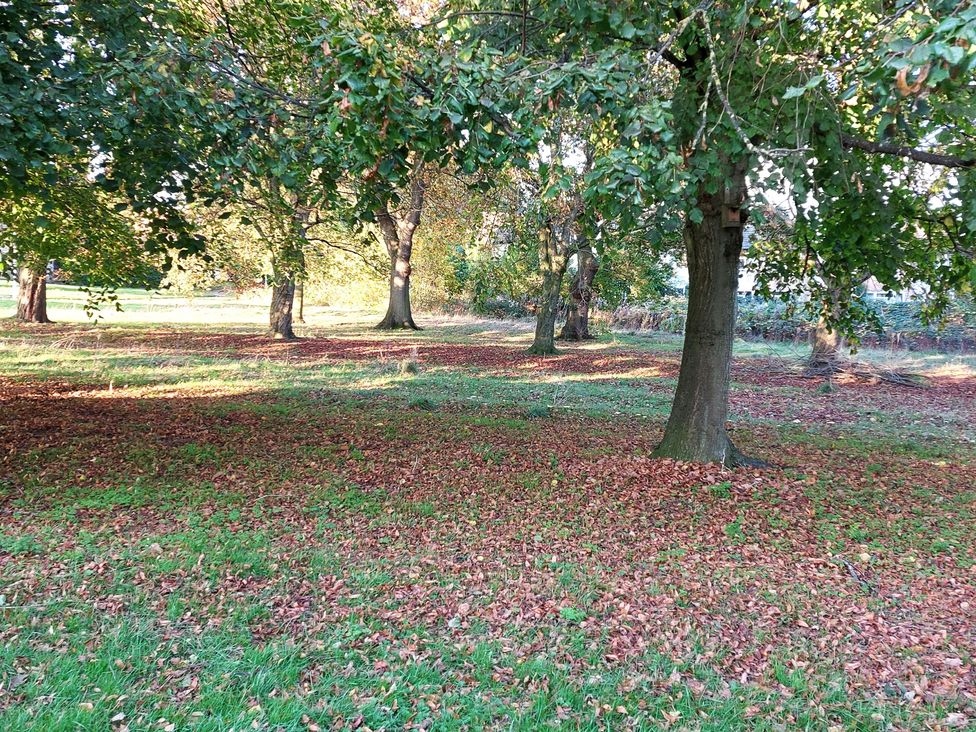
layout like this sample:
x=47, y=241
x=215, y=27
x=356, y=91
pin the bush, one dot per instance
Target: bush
x=902, y=325
x=501, y=308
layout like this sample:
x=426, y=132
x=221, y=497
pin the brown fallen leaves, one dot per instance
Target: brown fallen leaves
x=564, y=523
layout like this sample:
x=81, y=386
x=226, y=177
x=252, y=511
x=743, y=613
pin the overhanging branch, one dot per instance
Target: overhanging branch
x=350, y=250
x=901, y=151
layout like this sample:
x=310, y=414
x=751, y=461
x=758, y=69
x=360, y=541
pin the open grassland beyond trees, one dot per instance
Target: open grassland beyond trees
x=201, y=529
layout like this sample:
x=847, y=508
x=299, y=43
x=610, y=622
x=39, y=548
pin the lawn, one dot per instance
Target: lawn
x=201, y=529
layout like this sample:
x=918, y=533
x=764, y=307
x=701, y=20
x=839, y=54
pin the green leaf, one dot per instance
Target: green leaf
x=633, y=129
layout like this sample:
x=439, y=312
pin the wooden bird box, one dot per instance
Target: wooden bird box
x=731, y=217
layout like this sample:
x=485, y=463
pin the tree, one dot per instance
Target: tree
x=87, y=231
x=559, y=211
x=744, y=97
x=620, y=266
x=557, y=236
x=88, y=89
x=849, y=237
x=408, y=104
x=398, y=229
x=577, y=325
x=332, y=102
x=272, y=165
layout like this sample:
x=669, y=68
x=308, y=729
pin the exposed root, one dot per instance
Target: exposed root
x=737, y=459
x=389, y=324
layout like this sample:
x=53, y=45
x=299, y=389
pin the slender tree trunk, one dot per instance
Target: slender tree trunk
x=300, y=296
x=545, y=317
x=32, y=295
x=696, y=430
x=553, y=256
x=577, y=325
x=398, y=236
x=572, y=327
x=282, y=300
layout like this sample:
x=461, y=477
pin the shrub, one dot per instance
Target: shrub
x=902, y=324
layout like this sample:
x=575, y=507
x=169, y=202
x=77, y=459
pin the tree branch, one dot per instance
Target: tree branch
x=350, y=250
x=901, y=151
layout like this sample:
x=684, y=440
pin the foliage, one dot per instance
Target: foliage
x=680, y=93
x=91, y=236
x=631, y=273
x=887, y=323
x=93, y=85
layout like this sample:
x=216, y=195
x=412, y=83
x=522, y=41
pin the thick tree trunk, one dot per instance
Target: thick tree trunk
x=826, y=354
x=282, y=301
x=32, y=295
x=696, y=430
x=398, y=313
x=827, y=344
x=300, y=296
x=545, y=317
x=577, y=325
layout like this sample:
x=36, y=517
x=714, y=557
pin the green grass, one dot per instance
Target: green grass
x=226, y=540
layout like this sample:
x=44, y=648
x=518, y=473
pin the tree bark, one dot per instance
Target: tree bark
x=32, y=295
x=543, y=343
x=398, y=237
x=577, y=325
x=826, y=353
x=300, y=296
x=696, y=429
x=553, y=257
x=398, y=312
x=282, y=300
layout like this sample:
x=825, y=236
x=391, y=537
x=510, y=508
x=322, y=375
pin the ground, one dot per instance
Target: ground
x=203, y=530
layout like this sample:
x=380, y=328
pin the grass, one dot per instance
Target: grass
x=230, y=537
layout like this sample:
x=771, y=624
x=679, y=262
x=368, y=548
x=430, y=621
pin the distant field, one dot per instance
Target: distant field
x=66, y=304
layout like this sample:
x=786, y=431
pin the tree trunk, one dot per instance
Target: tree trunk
x=398, y=237
x=300, y=296
x=826, y=354
x=32, y=295
x=398, y=313
x=553, y=257
x=545, y=316
x=282, y=300
x=577, y=325
x=696, y=430
x=573, y=327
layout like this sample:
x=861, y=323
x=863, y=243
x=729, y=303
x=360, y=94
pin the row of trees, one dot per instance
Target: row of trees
x=843, y=132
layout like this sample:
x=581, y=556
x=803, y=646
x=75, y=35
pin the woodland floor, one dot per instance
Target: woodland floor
x=204, y=530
